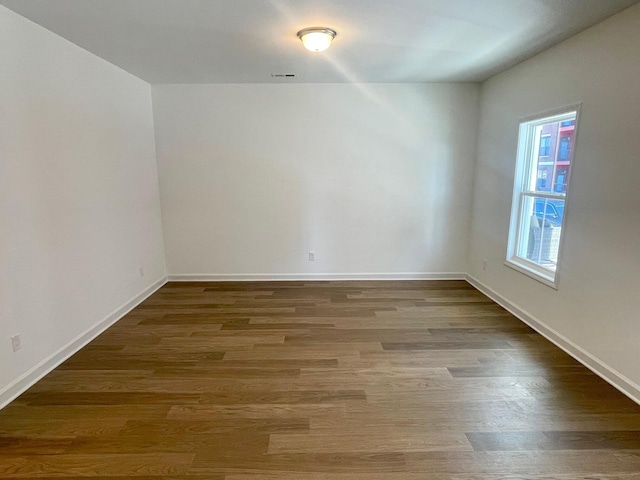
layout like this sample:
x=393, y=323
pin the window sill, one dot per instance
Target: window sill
x=549, y=280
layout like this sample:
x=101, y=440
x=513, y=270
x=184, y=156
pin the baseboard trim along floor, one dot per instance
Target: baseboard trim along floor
x=604, y=371
x=278, y=277
x=307, y=380
x=33, y=375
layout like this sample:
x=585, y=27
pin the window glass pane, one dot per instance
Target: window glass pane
x=543, y=167
x=545, y=145
x=541, y=226
x=565, y=145
x=550, y=167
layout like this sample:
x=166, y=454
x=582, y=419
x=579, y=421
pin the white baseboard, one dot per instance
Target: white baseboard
x=270, y=277
x=29, y=378
x=609, y=374
x=597, y=366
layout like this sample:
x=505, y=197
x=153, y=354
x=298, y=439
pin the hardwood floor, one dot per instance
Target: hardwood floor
x=319, y=381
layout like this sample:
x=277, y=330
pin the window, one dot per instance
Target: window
x=540, y=186
x=545, y=145
x=565, y=145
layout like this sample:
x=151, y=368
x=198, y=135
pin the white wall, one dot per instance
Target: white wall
x=376, y=179
x=79, y=206
x=596, y=306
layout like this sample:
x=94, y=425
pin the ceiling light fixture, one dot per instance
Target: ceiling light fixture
x=316, y=39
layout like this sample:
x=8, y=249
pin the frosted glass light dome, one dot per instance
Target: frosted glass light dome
x=316, y=39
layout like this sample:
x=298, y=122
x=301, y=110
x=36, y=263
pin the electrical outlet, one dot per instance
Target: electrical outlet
x=142, y=271
x=484, y=264
x=16, y=343
x=312, y=256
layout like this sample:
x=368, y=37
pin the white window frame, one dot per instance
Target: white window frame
x=524, y=185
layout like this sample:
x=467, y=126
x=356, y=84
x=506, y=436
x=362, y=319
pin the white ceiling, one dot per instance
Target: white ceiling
x=245, y=41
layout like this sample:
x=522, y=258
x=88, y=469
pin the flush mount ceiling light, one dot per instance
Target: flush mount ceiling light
x=316, y=39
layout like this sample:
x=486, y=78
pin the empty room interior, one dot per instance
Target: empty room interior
x=313, y=240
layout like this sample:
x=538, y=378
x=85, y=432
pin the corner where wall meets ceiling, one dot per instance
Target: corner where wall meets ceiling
x=244, y=41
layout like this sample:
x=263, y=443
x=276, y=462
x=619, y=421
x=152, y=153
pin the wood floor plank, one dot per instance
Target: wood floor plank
x=93, y=465
x=575, y=464
x=214, y=426
x=208, y=462
x=385, y=380
x=447, y=345
x=555, y=440
x=379, y=441
x=283, y=397
x=110, y=398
